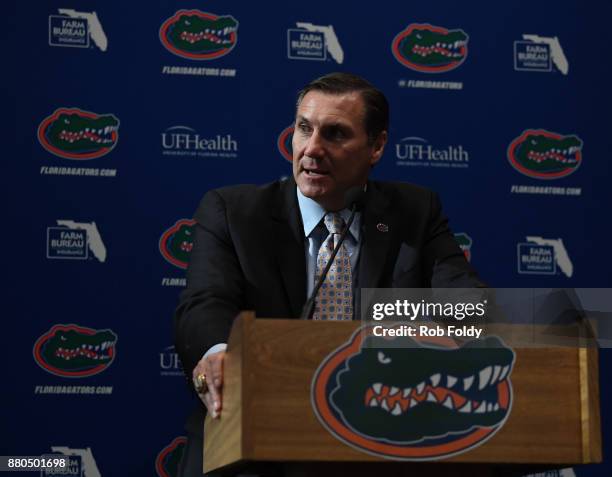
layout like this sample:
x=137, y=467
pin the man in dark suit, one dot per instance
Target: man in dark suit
x=259, y=248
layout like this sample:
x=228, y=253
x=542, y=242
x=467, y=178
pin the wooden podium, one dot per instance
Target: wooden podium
x=267, y=415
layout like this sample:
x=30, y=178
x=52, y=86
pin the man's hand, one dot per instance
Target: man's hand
x=211, y=367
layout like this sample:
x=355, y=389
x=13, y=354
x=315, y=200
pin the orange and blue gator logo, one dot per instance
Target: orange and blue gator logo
x=169, y=458
x=430, y=49
x=284, y=143
x=73, y=133
x=176, y=243
x=198, y=35
x=543, y=154
x=375, y=397
x=73, y=351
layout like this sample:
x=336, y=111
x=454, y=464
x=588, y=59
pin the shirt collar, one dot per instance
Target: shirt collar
x=312, y=213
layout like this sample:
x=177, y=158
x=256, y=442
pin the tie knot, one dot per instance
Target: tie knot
x=334, y=222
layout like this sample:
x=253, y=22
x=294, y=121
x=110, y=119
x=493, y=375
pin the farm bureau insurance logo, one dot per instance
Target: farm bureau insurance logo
x=284, y=143
x=73, y=351
x=541, y=256
x=198, y=35
x=176, y=243
x=371, y=397
x=81, y=463
x=539, y=53
x=313, y=42
x=73, y=133
x=542, y=154
x=183, y=141
x=74, y=29
x=430, y=49
x=169, y=458
x=73, y=240
x=416, y=151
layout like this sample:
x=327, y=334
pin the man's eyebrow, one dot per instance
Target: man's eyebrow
x=333, y=124
x=337, y=126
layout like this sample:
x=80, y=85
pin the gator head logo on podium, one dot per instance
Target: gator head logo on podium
x=176, y=243
x=198, y=35
x=73, y=351
x=73, y=133
x=430, y=49
x=415, y=402
x=545, y=155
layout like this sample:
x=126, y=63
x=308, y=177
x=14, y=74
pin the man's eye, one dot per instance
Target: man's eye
x=305, y=128
x=336, y=135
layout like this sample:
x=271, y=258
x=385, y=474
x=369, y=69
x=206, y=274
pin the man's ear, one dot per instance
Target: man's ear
x=378, y=147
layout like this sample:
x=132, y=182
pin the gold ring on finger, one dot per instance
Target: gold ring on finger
x=200, y=382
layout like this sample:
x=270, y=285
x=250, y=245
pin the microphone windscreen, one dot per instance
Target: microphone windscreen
x=354, y=196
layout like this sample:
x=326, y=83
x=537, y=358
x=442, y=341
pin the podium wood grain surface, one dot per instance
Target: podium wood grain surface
x=267, y=414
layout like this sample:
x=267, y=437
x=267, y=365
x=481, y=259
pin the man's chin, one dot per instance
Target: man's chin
x=313, y=192
x=320, y=194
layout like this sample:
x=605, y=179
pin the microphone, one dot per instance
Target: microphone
x=354, y=198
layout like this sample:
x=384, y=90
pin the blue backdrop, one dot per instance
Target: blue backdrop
x=127, y=113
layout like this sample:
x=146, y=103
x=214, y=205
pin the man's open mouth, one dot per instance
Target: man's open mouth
x=316, y=172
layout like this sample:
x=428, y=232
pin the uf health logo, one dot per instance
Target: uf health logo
x=169, y=362
x=430, y=49
x=417, y=151
x=542, y=154
x=176, y=243
x=198, y=35
x=74, y=29
x=539, y=53
x=183, y=141
x=541, y=256
x=368, y=394
x=313, y=42
x=73, y=133
x=73, y=351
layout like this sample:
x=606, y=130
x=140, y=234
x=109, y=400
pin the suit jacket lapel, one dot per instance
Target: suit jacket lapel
x=378, y=230
x=289, y=244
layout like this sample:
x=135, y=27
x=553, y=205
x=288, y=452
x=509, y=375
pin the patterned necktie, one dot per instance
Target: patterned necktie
x=335, y=298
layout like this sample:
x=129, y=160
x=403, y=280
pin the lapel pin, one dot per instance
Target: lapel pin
x=382, y=227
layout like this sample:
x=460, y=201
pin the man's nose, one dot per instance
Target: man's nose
x=314, y=146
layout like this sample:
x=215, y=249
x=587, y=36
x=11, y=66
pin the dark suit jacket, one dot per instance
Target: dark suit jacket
x=248, y=254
